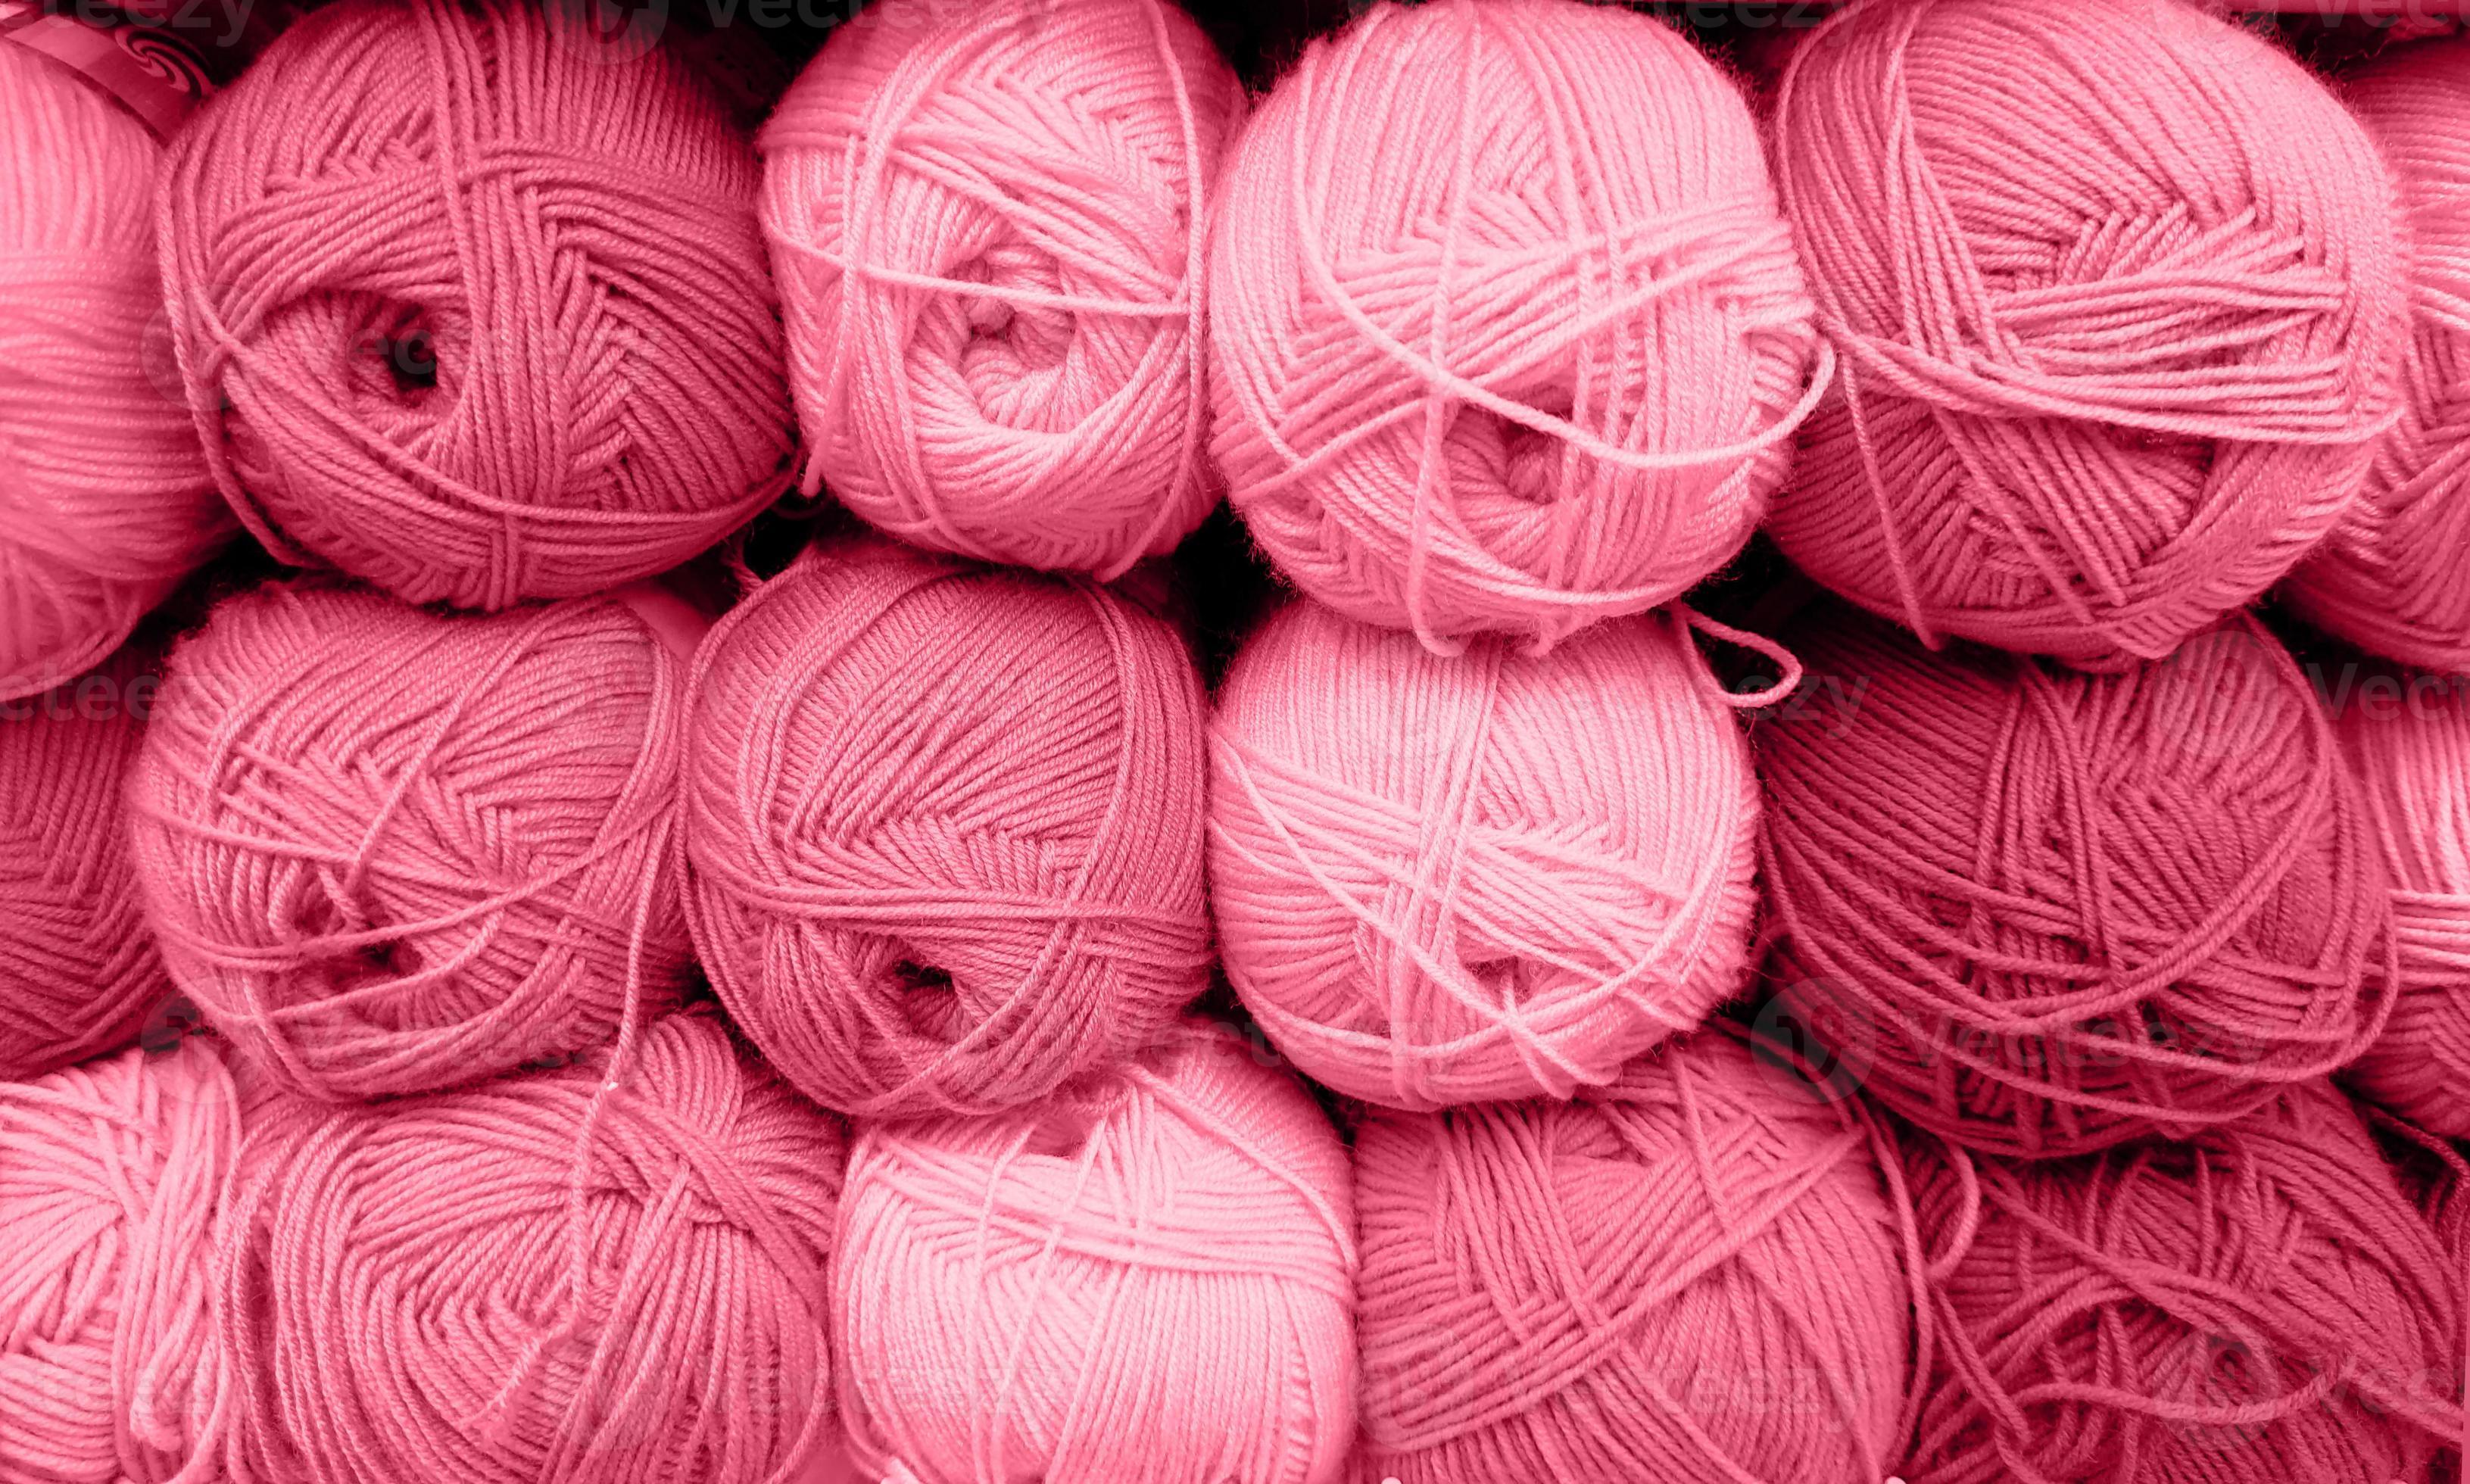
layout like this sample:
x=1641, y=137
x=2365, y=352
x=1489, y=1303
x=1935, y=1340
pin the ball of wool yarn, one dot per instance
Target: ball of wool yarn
x=1148, y=1276
x=943, y=830
x=105, y=499
x=988, y=223
x=1506, y=333
x=2408, y=738
x=470, y=308
x=78, y=972
x=1445, y=880
x=2041, y=912
x=591, y=1274
x=2256, y=1305
x=2391, y=577
x=388, y=851
x=109, y=1173
x=2117, y=287
x=1694, y=1273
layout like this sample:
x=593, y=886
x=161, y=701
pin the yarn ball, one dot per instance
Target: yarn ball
x=2117, y=287
x=2391, y=578
x=1506, y=333
x=943, y=830
x=539, y=1278
x=79, y=971
x=105, y=499
x=1495, y=876
x=1150, y=1276
x=2041, y=912
x=988, y=223
x=1694, y=1273
x=388, y=851
x=473, y=307
x=2256, y=1305
x=2408, y=739
x=109, y=1173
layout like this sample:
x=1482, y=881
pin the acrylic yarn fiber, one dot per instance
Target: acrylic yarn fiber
x=105, y=499
x=2117, y=287
x=1694, y=1273
x=78, y=972
x=109, y=1176
x=1506, y=332
x=1148, y=1276
x=945, y=829
x=2391, y=577
x=439, y=1289
x=2041, y=912
x=988, y=221
x=2408, y=739
x=471, y=303
x=388, y=850
x=1445, y=880
x=2254, y=1306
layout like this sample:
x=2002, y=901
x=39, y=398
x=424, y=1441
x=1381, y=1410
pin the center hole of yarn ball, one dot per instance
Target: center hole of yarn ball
x=400, y=354
x=927, y=998
x=1493, y=451
x=1015, y=351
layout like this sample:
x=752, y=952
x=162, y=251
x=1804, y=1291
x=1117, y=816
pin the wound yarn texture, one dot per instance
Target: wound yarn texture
x=1494, y=876
x=2041, y=912
x=105, y=499
x=1506, y=334
x=109, y=1177
x=944, y=828
x=390, y=851
x=1148, y=1276
x=2117, y=287
x=2253, y=1306
x=471, y=304
x=79, y=970
x=2391, y=578
x=1694, y=1273
x=988, y=221
x=410, y=1291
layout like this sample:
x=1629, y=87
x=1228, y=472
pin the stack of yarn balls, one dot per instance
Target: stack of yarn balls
x=679, y=935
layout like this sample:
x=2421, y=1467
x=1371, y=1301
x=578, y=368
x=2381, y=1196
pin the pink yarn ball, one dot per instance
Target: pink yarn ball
x=1150, y=1276
x=1692, y=1274
x=1506, y=333
x=1446, y=880
x=471, y=304
x=105, y=499
x=2392, y=577
x=2117, y=287
x=109, y=1176
x=78, y=972
x=594, y=1275
x=2257, y=1305
x=388, y=850
x=943, y=830
x=988, y=223
x=2408, y=738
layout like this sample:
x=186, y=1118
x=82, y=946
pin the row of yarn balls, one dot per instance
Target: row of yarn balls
x=2070, y=329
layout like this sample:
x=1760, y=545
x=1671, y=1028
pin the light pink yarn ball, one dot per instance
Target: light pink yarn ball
x=2408, y=737
x=470, y=302
x=2396, y=576
x=390, y=851
x=1494, y=876
x=1150, y=1276
x=109, y=1177
x=590, y=1275
x=943, y=830
x=78, y=972
x=1694, y=1274
x=105, y=499
x=2117, y=287
x=987, y=222
x=1506, y=333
